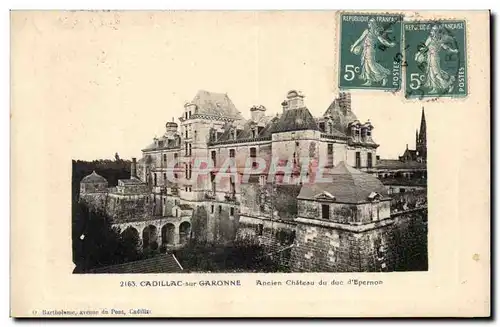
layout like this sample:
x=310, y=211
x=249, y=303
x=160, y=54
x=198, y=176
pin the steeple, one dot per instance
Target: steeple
x=423, y=129
x=422, y=139
x=416, y=137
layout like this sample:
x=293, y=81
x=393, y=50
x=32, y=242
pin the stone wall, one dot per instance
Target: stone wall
x=408, y=200
x=320, y=249
x=276, y=237
x=398, y=243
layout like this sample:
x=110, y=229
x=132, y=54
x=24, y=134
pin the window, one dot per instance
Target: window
x=214, y=158
x=175, y=157
x=189, y=148
x=231, y=153
x=232, y=185
x=220, y=209
x=147, y=200
x=330, y=154
x=165, y=157
x=212, y=177
x=402, y=190
x=253, y=155
x=165, y=177
x=231, y=211
x=260, y=229
x=164, y=200
x=154, y=179
x=369, y=160
x=186, y=115
x=187, y=134
x=358, y=159
x=189, y=114
x=212, y=209
x=325, y=211
x=254, y=133
x=322, y=127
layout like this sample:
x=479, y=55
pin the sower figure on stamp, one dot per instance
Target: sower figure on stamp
x=371, y=70
x=436, y=79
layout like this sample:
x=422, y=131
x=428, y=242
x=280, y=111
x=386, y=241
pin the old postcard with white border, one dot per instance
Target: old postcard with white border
x=250, y=164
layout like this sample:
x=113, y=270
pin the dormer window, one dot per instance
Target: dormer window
x=254, y=133
x=374, y=196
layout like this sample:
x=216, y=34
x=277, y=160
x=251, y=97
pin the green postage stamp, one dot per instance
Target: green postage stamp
x=370, y=51
x=435, y=59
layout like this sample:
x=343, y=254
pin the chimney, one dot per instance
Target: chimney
x=345, y=101
x=257, y=112
x=133, y=168
x=171, y=127
x=295, y=100
x=284, y=105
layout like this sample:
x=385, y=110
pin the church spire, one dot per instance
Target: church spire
x=423, y=129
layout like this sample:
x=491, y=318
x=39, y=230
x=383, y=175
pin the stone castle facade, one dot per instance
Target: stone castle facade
x=343, y=223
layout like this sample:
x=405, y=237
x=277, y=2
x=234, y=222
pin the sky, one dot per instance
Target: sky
x=119, y=77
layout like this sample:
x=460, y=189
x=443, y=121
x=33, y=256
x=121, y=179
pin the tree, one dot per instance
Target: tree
x=199, y=225
x=98, y=242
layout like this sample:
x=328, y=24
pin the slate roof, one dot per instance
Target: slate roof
x=132, y=181
x=295, y=120
x=341, y=116
x=411, y=154
x=348, y=185
x=167, y=143
x=215, y=104
x=94, y=178
x=397, y=164
x=163, y=263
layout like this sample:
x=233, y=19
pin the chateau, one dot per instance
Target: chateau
x=348, y=219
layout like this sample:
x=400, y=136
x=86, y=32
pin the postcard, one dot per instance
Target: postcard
x=250, y=164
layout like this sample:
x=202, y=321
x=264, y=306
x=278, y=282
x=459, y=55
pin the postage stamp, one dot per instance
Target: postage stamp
x=370, y=51
x=435, y=59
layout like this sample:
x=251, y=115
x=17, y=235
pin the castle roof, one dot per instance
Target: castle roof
x=94, y=178
x=341, y=115
x=348, y=185
x=295, y=120
x=215, y=104
x=164, y=263
x=398, y=164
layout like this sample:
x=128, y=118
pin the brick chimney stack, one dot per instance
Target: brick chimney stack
x=345, y=101
x=295, y=100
